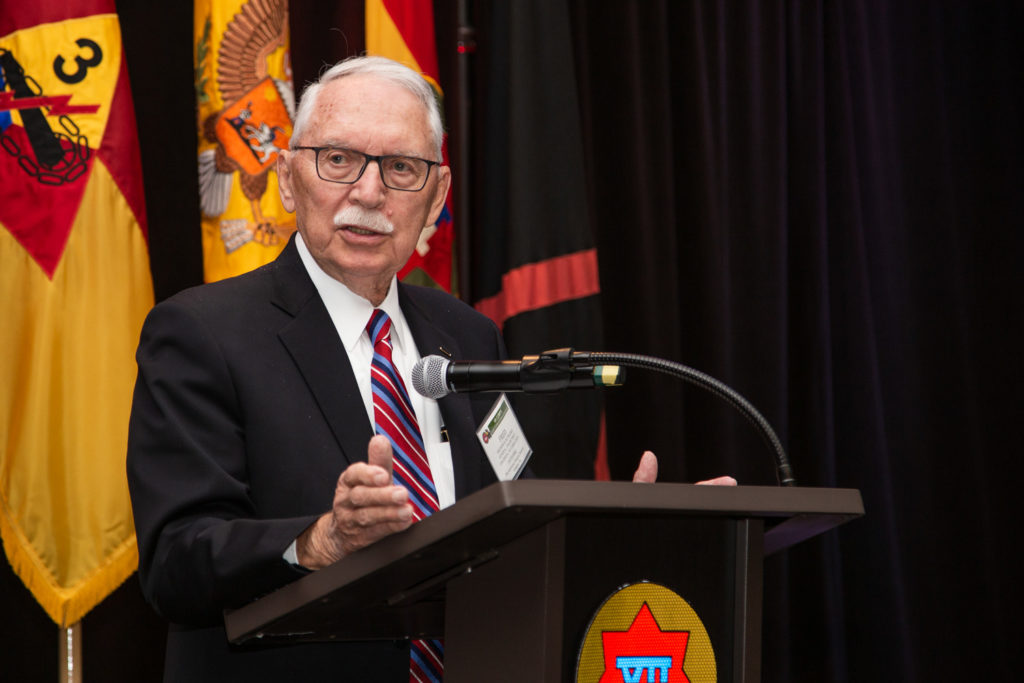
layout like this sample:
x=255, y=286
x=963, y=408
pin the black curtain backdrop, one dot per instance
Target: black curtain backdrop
x=820, y=203
x=530, y=199
x=816, y=202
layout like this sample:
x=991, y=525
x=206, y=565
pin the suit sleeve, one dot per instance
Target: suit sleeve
x=202, y=545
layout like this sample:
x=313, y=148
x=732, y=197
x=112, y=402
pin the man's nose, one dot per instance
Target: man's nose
x=369, y=190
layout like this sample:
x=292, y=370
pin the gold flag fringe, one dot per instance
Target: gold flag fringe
x=66, y=605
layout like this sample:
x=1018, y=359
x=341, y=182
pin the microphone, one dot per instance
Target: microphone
x=550, y=371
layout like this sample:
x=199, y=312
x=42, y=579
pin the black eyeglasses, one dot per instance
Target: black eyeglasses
x=340, y=165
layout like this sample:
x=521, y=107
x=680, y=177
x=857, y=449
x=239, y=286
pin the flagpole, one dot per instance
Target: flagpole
x=70, y=663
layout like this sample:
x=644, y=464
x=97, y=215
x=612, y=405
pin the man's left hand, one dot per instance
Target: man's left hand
x=647, y=473
x=647, y=470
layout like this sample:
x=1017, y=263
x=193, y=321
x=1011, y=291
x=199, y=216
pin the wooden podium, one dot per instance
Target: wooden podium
x=512, y=575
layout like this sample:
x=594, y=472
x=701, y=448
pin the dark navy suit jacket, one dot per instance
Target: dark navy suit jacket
x=245, y=412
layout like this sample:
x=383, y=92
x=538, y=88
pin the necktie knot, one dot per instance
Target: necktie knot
x=379, y=326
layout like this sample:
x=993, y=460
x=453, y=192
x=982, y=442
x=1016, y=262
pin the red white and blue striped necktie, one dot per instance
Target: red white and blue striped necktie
x=393, y=417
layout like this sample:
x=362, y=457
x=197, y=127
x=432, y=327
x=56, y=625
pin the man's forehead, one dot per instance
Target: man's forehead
x=367, y=90
x=353, y=108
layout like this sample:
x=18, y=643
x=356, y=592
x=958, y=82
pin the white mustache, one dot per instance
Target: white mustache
x=363, y=218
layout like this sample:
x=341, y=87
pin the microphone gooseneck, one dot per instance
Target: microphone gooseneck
x=435, y=377
x=784, y=471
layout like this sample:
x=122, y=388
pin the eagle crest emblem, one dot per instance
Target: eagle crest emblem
x=244, y=136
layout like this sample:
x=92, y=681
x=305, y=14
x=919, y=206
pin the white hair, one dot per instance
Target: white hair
x=384, y=69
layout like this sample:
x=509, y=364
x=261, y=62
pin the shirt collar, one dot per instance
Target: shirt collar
x=349, y=311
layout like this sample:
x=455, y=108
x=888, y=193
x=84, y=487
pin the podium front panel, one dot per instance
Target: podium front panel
x=541, y=597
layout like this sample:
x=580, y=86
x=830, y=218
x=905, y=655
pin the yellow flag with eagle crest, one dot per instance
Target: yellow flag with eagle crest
x=246, y=106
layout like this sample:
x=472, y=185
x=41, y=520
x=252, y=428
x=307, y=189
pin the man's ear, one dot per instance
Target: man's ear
x=284, y=180
x=444, y=183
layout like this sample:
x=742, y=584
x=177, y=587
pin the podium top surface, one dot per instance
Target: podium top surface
x=397, y=572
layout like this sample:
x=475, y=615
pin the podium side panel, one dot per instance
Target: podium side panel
x=749, y=596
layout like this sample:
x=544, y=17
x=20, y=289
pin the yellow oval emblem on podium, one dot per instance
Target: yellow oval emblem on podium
x=646, y=633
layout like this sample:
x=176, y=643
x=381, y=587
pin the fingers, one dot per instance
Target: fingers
x=367, y=505
x=365, y=494
x=359, y=526
x=372, y=495
x=647, y=470
x=718, y=481
x=379, y=453
x=376, y=471
x=365, y=514
x=647, y=473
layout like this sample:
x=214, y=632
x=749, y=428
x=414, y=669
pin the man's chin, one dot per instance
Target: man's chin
x=348, y=265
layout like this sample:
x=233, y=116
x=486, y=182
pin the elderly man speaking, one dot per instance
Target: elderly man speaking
x=271, y=431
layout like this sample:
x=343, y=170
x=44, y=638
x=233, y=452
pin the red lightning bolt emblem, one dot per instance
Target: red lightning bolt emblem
x=57, y=104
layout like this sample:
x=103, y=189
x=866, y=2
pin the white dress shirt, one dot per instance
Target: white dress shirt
x=350, y=313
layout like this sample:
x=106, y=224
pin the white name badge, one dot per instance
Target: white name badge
x=503, y=440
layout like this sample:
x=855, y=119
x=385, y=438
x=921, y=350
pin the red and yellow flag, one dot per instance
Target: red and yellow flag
x=246, y=106
x=403, y=30
x=75, y=287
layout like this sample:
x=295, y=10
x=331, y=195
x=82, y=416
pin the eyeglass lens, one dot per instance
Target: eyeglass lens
x=341, y=165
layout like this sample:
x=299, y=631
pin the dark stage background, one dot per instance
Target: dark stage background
x=816, y=202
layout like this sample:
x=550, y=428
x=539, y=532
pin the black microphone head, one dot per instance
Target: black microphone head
x=428, y=377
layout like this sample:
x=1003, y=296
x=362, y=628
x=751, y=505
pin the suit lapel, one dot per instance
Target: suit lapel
x=319, y=355
x=456, y=409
